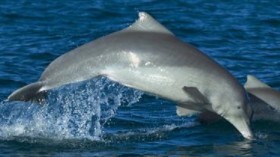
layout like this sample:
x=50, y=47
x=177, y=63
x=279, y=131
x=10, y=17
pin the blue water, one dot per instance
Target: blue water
x=103, y=118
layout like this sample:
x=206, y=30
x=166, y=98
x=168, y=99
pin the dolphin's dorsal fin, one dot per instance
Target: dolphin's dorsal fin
x=253, y=82
x=147, y=23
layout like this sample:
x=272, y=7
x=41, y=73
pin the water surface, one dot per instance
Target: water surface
x=100, y=117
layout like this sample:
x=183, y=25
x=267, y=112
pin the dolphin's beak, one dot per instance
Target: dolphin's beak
x=242, y=125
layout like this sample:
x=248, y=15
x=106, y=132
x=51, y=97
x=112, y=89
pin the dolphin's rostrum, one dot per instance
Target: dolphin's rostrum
x=148, y=57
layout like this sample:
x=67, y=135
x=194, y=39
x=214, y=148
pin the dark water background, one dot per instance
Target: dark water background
x=103, y=118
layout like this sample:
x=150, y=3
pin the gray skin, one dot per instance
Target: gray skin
x=148, y=57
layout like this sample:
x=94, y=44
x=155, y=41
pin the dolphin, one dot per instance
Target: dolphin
x=148, y=57
x=264, y=100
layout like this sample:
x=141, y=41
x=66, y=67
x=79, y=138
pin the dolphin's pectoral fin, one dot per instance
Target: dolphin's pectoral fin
x=181, y=111
x=195, y=94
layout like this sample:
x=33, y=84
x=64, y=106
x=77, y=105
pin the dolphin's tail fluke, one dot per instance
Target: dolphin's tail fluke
x=29, y=92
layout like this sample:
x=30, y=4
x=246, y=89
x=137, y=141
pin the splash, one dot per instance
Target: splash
x=76, y=111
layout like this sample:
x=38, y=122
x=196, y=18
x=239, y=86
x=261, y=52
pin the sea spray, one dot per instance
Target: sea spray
x=75, y=111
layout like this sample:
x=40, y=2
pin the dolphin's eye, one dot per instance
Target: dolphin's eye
x=239, y=107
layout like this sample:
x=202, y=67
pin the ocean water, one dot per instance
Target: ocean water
x=100, y=117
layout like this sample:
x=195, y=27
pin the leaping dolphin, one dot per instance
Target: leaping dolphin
x=148, y=57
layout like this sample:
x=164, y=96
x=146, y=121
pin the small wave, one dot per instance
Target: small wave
x=147, y=134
